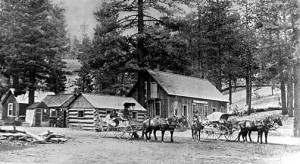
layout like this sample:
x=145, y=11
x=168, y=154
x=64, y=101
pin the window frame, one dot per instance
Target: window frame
x=134, y=113
x=187, y=113
x=53, y=110
x=158, y=102
x=153, y=90
x=78, y=114
x=10, y=107
x=205, y=110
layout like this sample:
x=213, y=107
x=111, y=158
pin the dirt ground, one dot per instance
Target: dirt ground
x=87, y=147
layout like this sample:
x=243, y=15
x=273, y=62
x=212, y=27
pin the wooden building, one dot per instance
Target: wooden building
x=87, y=109
x=58, y=106
x=15, y=106
x=37, y=114
x=164, y=94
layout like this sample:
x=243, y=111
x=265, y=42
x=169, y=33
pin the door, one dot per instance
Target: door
x=65, y=119
x=38, y=117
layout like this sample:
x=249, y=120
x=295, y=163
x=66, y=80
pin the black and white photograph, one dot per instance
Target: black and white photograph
x=150, y=81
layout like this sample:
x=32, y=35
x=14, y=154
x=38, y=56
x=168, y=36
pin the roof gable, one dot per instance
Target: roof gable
x=179, y=85
x=37, y=105
x=58, y=100
x=111, y=102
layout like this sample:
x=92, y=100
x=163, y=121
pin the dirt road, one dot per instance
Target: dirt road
x=87, y=147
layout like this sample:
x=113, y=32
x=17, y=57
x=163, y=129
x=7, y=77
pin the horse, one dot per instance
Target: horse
x=196, y=127
x=262, y=126
x=162, y=124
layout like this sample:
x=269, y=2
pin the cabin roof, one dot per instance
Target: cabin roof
x=24, y=99
x=111, y=102
x=186, y=86
x=37, y=105
x=38, y=96
x=57, y=100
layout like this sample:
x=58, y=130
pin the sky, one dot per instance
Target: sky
x=79, y=12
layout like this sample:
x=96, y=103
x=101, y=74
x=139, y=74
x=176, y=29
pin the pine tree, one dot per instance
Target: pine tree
x=34, y=45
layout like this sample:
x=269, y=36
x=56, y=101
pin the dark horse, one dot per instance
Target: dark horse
x=162, y=124
x=196, y=127
x=262, y=126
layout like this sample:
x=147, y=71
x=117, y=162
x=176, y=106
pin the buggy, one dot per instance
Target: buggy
x=127, y=128
x=217, y=126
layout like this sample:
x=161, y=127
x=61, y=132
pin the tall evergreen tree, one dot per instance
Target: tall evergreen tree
x=34, y=46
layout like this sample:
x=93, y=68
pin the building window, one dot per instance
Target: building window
x=205, y=110
x=146, y=90
x=153, y=89
x=53, y=113
x=134, y=115
x=11, y=110
x=185, y=110
x=175, y=112
x=194, y=108
x=80, y=113
x=157, y=109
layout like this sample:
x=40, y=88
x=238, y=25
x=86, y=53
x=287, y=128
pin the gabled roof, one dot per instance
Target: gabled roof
x=38, y=96
x=111, y=102
x=37, y=105
x=57, y=100
x=179, y=85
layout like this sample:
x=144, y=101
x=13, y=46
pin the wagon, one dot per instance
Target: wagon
x=126, y=129
x=218, y=127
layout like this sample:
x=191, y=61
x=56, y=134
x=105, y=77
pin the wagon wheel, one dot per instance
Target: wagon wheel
x=222, y=131
x=210, y=132
x=139, y=131
x=232, y=135
x=102, y=131
x=125, y=132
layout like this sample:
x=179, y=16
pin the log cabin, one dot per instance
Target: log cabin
x=58, y=107
x=166, y=94
x=88, y=109
x=37, y=114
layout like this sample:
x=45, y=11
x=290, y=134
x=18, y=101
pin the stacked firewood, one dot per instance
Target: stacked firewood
x=24, y=137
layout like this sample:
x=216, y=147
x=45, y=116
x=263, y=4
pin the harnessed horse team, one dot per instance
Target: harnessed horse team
x=170, y=124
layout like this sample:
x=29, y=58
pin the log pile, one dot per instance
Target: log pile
x=25, y=137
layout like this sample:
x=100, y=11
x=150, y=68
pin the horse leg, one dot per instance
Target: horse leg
x=154, y=132
x=199, y=135
x=259, y=137
x=162, y=135
x=171, y=132
x=266, y=137
x=249, y=134
x=239, y=135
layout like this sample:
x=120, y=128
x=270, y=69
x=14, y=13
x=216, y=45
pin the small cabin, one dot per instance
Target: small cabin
x=87, y=109
x=37, y=114
x=15, y=106
x=165, y=94
x=58, y=107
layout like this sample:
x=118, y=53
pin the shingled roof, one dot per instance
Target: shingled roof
x=57, y=100
x=111, y=102
x=186, y=86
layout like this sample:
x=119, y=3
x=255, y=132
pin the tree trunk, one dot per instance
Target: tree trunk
x=283, y=97
x=230, y=91
x=247, y=90
x=140, y=40
x=297, y=101
x=31, y=89
x=290, y=94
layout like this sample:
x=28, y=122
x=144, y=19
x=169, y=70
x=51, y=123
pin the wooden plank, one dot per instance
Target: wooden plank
x=82, y=122
x=85, y=110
